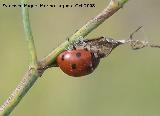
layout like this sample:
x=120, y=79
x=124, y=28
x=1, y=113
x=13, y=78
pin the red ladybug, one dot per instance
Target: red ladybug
x=78, y=62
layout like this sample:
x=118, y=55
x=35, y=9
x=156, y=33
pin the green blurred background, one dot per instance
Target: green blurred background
x=127, y=83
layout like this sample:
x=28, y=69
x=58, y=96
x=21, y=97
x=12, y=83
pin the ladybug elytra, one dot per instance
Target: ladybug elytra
x=77, y=62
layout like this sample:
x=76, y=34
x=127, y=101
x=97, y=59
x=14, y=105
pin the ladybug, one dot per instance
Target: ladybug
x=77, y=62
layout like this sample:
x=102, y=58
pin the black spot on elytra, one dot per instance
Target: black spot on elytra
x=62, y=57
x=78, y=55
x=74, y=66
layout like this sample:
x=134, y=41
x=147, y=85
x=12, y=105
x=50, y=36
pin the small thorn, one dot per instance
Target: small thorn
x=76, y=31
x=68, y=39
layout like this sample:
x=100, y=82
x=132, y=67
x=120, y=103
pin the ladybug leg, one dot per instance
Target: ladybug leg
x=74, y=47
x=85, y=48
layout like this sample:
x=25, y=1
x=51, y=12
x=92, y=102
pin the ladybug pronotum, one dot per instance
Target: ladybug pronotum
x=78, y=62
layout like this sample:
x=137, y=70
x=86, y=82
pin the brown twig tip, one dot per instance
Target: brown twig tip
x=134, y=32
x=138, y=44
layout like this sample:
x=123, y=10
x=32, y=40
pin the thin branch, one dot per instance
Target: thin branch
x=22, y=88
x=31, y=76
x=139, y=44
x=29, y=36
x=85, y=30
x=33, y=73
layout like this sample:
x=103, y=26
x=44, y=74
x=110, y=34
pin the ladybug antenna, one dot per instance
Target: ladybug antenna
x=74, y=47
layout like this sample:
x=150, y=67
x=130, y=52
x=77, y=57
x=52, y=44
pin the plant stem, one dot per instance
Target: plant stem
x=29, y=36
x=32, y=75
x=22, y=88
x=85, y=30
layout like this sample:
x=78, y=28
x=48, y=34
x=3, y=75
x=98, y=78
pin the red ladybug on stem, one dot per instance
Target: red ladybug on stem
x=78, y=62
x=84, y=60
x=85, y=57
